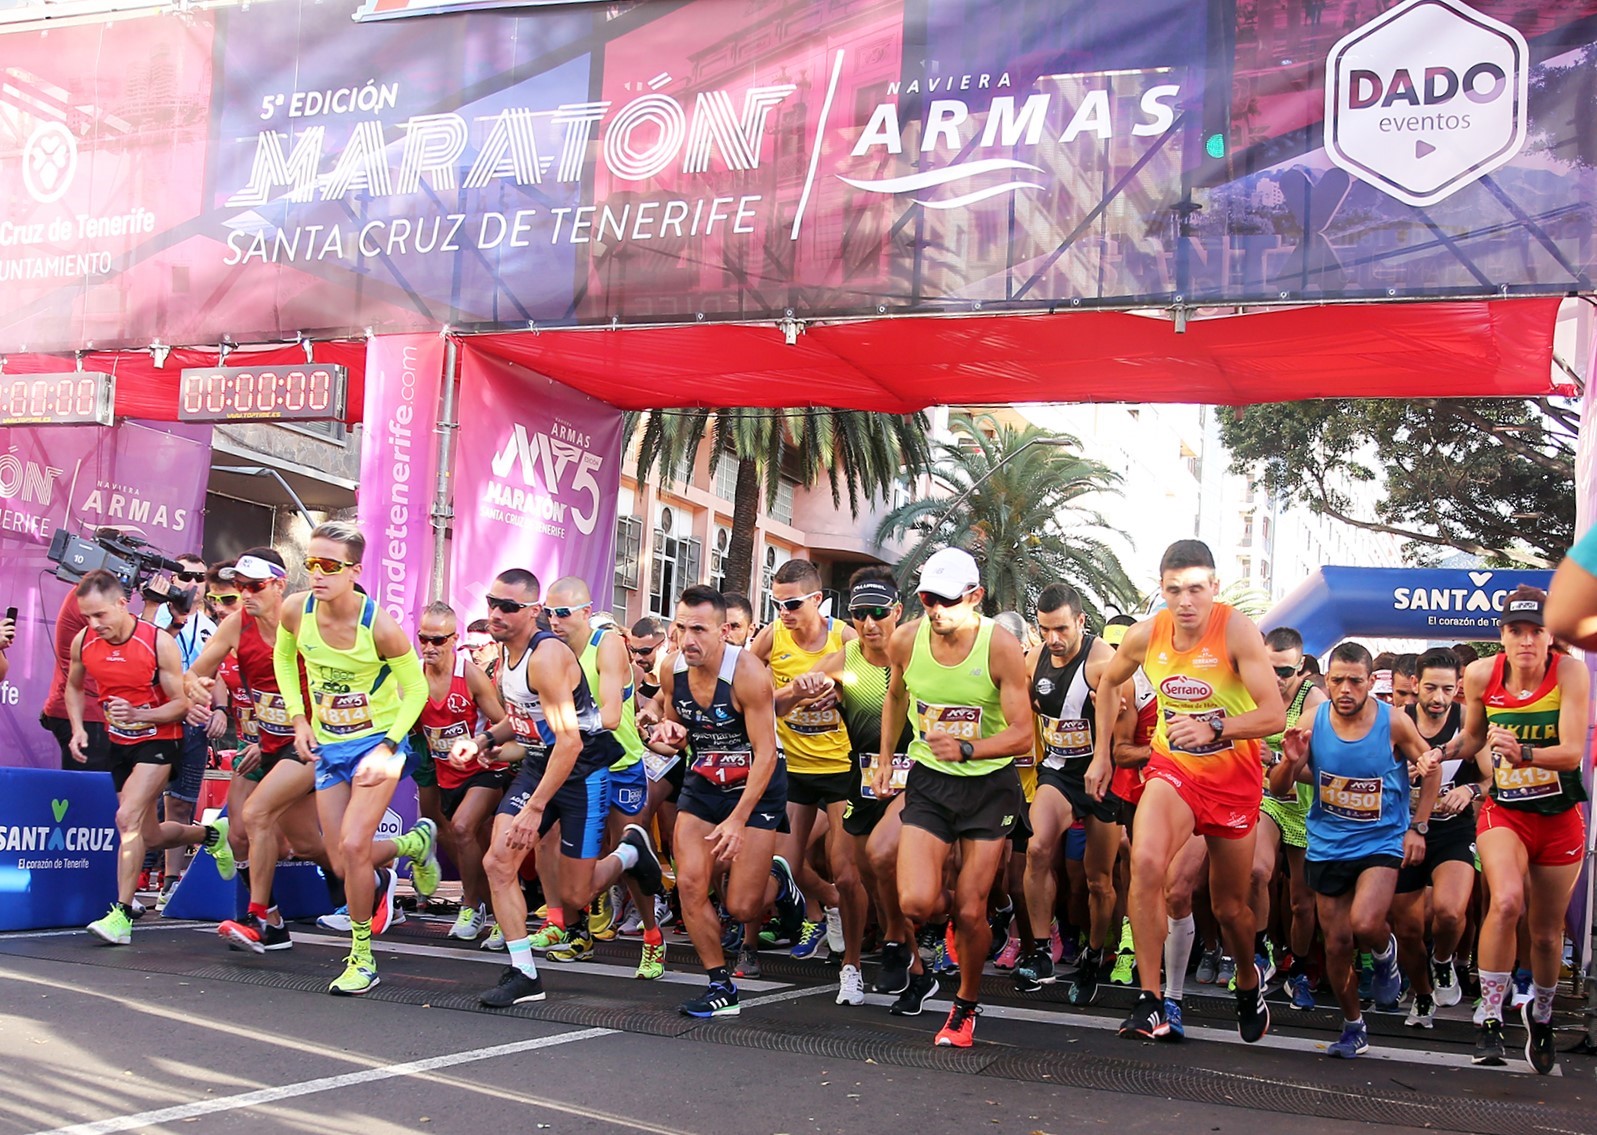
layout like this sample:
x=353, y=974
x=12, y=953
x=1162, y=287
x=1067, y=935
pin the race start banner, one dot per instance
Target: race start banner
x=147, y=479
x=274, y=170
x=399, y=470
x=537, y=479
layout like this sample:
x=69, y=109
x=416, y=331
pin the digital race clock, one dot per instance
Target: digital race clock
x=313, y=393
x=67, y=398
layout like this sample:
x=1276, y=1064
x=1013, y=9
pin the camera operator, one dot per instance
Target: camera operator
x=69, y=621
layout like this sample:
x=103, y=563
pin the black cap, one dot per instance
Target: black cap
x=873, y=593
x=1523, y=609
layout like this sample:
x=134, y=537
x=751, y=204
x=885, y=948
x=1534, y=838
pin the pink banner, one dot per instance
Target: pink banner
x=537, y=479
x=148, y=481
x=399, y=470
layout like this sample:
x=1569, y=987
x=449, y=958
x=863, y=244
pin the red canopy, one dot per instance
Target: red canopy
x=1464, y=349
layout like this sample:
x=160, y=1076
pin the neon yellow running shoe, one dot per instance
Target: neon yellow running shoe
x=220, y=849
x=578, y=949
x=359, y=976
x=652, y=966
x=425, y=873
x=115, y=929
x=602, y=916
x=549, y=937
x=1125, y=969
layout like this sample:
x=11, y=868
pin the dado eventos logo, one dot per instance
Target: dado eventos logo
x=1426, y=98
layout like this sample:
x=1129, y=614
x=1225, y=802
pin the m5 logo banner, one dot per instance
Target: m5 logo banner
x=535, y=483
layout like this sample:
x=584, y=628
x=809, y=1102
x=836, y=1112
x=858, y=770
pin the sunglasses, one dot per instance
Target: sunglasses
x=930, y=600
x=641, y=651
x=252, y=586
x=877, y=613
x=795, y=604
x=434, y=639
x=189, y=576
x=326, y=565
x=1285, y=671
x=223, y=600
x=508, y=606
x=567, y=612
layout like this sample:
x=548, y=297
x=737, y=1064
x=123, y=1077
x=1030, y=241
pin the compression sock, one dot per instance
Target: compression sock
x=1177, y=952
x=627, y=855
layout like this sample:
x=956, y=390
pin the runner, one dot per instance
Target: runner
x=459, y=697
x=1283, y=828
x=191, y=620
x=1525, y=715
x=1357, y=755
x=1068, y=668
x=718, y=705
x=1448, y=868
x=1405, y=681
x=366, y=691
x=1217, y=698
x=607, y=667
x=274, y=800
x=966, y=689
x=564, y=777
x=820, y=770
x=138, y=672
x=739, y=626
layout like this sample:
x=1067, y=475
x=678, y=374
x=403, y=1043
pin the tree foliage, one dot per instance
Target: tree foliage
x=1491, y=477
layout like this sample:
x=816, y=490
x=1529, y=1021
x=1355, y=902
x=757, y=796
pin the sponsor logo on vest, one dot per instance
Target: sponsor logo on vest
x=1179, y=687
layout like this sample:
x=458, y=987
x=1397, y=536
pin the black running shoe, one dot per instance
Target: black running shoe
x=717, y=1000
x=1489, y=1045
x=647, y=873
x=921, y=988
x=1084, y=990
x=1253, y=1014
x=1035, y=970
x=893, y=977
x=514, y=988
x=998, y=923
x=1147, y=1018
x=1538, y=1041
x=790, y=911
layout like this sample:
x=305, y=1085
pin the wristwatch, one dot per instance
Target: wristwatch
x=1218, y=725
x=1423, y=827
x=966, y=751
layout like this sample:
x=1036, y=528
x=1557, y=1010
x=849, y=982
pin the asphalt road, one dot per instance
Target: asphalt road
x=177, y=1033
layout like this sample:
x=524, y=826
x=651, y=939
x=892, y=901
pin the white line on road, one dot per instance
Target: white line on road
x=82, y=933
x=186, y=1111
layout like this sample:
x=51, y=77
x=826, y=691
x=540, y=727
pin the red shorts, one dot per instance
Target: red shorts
x=1224, y=803
x=1550, y=841
x=1128, y=784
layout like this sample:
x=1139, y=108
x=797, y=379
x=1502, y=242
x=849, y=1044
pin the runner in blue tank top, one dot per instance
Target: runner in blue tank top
x=1356, y=756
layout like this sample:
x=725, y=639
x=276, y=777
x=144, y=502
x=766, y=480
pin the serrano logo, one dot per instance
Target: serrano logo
x=1178, y=687
x=1426, y=98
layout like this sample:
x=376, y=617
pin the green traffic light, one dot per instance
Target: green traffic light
x=1215, y=146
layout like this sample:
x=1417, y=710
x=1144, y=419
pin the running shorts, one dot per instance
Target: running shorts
x=1336, y=877
x=1550, y=841
x=1450, y=841
x=715, y=805
x=963, y=807
x=820, y=789
x=336, y=761
x=450, y=799
x=1227, y=807
x=581, y=805
x=1072, y=786
x=629, y=789
x=125, y=757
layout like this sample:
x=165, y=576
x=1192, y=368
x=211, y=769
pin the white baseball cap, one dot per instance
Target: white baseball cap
x=950, y=572
x=255, y=568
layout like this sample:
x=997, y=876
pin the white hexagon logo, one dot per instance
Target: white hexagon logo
x=1426, y=98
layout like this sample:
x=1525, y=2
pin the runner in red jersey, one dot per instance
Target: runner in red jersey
x=139, y=673
x=461, y=701
x=271, y=790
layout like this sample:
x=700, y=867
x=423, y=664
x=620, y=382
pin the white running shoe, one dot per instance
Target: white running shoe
x=662, y=912
x=495, y=939
x=470, y=923
x=850, y=986
x=834, y=929
x=337, y=921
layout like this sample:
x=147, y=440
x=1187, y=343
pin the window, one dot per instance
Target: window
x=782, y=510
x=675, y=567
x=1247, y=531
x=768, y=568
x=726, y=478
x=629, y=546
x=723, y=541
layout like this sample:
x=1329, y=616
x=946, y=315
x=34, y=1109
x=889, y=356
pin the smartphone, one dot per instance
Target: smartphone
x=11, y=614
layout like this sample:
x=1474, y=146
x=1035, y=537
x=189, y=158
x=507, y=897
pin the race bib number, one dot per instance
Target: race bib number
x=900, y=777
x=1357, y=799
x=528, y=727
x=1203, y=718
x=1515, y=785
x=724, y=770
x=656, y=765
x=271, y=715
x=441, y=738
x=961, y=722
x=344, y=714
x=1065, y=739
x=248, y=728
x=813, y=722
x=128, y=730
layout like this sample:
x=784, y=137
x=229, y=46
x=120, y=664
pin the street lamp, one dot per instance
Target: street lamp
x=264, y=471
x=997, y=465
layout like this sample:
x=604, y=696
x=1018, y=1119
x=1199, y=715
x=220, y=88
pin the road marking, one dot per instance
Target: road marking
x=82, y=933
x=773, y=998
x=486, y=957
x=181, y=1112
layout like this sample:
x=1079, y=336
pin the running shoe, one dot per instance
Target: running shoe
x=921, y=988
x=425, y=873
x=1172, y=1016
x=1125, y=971
x=834, y=930
x=1253, y=1014
x=652, y=964
x=542, y=913
x=115, y=929
x=940, y=963
x=166, y=894
x=1478, y=1018
x=716, y=1001
x=1208, y=967
x=789, y=899
x=602, y=916
x=998, y=923
x=632, y=925
x=951, y=944
x=1444, y=979
x=1489, y=1048
x=1538, y=1040
x=748, y=963
x=1302, y=991
x=138, y=909
x=1354, y=1041
x=1147, y=1018
x=1366, y=976
x=1009, y=955
x=470, y=923
x=893, y=976
x=221, y=851
x=663, y=914
x=337, y=921
x=548, y=937
x=514, y=988
x=359, y=976
x=811, y=941
x=1522, y=990
x=1422, y=1013
x=1070, y=950
x=1226, y=975
x=1266, y=964
x=383, y=900
x=1388, y=984
x=1034, y=971
x=959, y=1031
x=1084, y=989
x=646, y=872
x=255, y=934
x=578, y=948
x=732, y=938
x=495, y=940
x=850, y=986
x=1056, y=944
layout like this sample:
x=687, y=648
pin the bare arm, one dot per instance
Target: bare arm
x=751, y=693
x=72, y=693
x=1572, y=605
x=1414, y=749
x=1109, y=695
x=895, y=705
x=1006, y=663
x=169, y=659
x=1253, y=666
x=484, y=693
x=549, y=675
x=614, y=662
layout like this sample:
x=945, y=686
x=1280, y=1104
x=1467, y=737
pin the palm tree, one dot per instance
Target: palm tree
x=860, y=452
x=1026, y=524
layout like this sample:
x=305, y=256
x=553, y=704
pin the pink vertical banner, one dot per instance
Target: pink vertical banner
x=399, y=470
x=536, y=482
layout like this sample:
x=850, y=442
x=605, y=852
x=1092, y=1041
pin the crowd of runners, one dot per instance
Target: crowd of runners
x=1107, y=804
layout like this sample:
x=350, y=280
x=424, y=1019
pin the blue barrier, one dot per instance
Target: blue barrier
x=58, y=847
